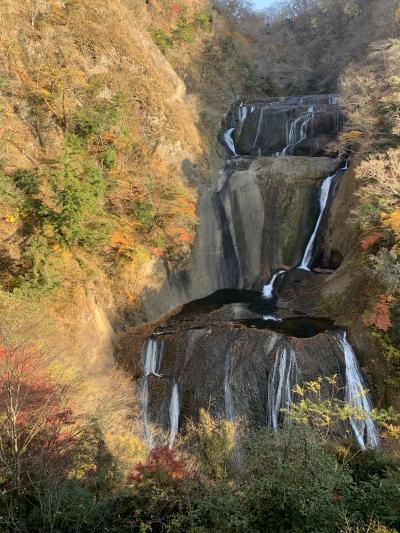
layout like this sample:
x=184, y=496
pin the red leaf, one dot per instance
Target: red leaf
x=380, y=315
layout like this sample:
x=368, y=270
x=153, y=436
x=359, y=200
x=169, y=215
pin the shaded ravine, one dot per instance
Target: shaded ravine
x=238, y=353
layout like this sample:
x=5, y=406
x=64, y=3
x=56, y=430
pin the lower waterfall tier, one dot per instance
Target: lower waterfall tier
x=222, y=361
x=237, y=356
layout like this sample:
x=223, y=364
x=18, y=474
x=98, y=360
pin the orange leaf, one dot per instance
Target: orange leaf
x=370, y=240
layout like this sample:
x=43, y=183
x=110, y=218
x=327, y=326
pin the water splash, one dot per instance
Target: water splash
x=272, y=318
x=228, y=137
x=268, y=290
x=151, y=359
x=174, y=414
x=281, y=381
x=323, y=201
x=364, y=428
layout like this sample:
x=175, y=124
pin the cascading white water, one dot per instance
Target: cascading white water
x=272, y=318
x=230, y=412
x=364, y=427
x=173, y=414
x=151, y=360
x=228, y=137
x=260, y=122
x=228, y=398
x=281, y=381
x=242, y=112
x=268, y=290
x=297, y=132
x=323, y=201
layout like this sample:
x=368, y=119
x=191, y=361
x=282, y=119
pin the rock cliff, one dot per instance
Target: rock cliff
x=252, y=222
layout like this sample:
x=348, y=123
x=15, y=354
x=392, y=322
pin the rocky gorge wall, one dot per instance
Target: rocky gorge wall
x=253, y=221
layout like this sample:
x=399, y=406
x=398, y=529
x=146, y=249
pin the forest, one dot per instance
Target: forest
x=110, y=118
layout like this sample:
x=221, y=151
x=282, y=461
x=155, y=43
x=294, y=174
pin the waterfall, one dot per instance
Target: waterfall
x=228, y=137
x=228, y=399
x=260, y=121
x=151, y=357
x=293, y=137
x=173, y=414
x=364, y=427
x=280, y=383
x=242, y=112
x=151, y=360
x=230, y=412
x=268, y=290
x=323, y=201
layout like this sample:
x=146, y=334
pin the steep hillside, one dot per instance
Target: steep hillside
x=102, y=149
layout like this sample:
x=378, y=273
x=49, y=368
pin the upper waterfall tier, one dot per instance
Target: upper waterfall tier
x=302, y=125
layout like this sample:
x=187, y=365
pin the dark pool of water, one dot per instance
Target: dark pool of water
x=302, y=327
x=254, y=301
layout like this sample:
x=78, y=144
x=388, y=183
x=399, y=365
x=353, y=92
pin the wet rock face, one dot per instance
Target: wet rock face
x=226, y=365
x=258, y=219
x=270, y=211
x=292, y=125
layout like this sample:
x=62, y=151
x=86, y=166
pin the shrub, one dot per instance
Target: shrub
x=213, y=441
x=143, y=212
x=379, y=316
x=78, y=194
x=27, y=180
x=109, y=157
x=88, y=121
x=203, y=21
x=9, y=193
x=184, y=33
x=162, y=40
x=41, y=272
x=93, y=119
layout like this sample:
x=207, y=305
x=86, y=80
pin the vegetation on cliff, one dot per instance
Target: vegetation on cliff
x=83, y=177
x=371, y=96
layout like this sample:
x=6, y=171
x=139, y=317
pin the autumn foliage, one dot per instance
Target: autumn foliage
x=392, y=221
x=380, y=315
x=162, y=461
x=370, y=240
x=37, y=422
